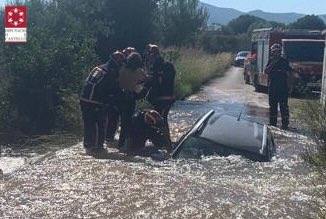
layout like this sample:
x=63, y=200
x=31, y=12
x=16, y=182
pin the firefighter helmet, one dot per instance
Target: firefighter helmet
x=118, y=57
x=276, y=47
x=134, y=61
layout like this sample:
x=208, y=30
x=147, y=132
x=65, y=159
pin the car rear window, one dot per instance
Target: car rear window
x=243, y=54
x=196, y=147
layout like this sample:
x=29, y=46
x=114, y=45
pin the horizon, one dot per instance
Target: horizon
x=316, y=7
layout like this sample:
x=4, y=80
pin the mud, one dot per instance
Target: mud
x=69, y=184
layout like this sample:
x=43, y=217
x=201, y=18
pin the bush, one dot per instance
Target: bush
x=195, y=67
x=312, y=115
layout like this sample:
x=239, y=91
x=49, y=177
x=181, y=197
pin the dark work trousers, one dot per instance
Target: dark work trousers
x=279, y=99
x=163, y=108
x=94, y=118
x=127, y=110
x=112, y=123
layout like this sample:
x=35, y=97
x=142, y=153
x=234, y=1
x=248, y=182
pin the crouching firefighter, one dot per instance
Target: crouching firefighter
x=278, y=71
x=147, y=125
x=99, y=94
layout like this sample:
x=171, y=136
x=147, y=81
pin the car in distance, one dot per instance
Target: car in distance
x=224, y=135
x=240, y=58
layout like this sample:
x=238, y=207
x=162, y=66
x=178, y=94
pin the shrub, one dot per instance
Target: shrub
x=312, y=115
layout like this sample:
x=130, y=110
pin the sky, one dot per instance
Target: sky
x=298, y=6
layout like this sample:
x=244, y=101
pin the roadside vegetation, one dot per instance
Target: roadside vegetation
x=312, y=115
x=41, y=80
x=195, y=67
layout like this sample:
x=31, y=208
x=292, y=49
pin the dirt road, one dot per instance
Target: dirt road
x=69, y=184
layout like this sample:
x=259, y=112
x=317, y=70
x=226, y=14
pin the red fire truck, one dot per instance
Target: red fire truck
x=304, y=50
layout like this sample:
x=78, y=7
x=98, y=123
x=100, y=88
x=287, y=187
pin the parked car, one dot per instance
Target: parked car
x=240, y=58
x=225, y=135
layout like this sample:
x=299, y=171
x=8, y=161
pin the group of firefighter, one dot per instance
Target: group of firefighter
x=111, y=90
x=110, y=93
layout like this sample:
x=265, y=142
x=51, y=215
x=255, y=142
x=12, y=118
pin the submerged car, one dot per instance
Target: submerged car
x=240, y=58
x=224, y=135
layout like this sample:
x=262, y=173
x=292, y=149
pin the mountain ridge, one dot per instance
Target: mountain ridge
x=223, y=16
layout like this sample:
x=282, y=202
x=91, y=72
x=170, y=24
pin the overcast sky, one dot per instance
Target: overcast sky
x=299, y=6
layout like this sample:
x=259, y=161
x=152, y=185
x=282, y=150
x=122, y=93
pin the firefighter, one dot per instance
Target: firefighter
x=147, y=125
x=278, y=71
x=100, y=93
x=131, y=77
x=161, y=86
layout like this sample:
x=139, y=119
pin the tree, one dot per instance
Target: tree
x=181, y=21
x=241, y=24
x=131, y=22
x=311, y=22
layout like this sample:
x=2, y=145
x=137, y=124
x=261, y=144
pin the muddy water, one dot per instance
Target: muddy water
x=69, y=184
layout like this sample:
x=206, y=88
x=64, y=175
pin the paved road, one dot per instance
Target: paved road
x=69, y=184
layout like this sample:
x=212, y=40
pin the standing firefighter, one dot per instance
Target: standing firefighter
x=100, y=93
x=114, y=114
x=161, y=94
x=278, y=70
x=131, y=77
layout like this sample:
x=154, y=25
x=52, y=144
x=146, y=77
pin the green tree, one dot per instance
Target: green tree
x=132, y=22
x=48, y=67
x=311, y=22
x=181, y=21
x=241, y=24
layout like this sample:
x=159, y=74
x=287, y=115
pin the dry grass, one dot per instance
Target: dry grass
x=195, y=67
x=312, y=115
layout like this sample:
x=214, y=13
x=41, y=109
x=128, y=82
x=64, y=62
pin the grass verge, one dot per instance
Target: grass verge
x=195, y=67
x=312, y=116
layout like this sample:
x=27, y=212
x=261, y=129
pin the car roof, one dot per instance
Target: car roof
x=226, y=130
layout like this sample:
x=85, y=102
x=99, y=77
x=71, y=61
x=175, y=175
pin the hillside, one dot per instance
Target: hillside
x=225, y=15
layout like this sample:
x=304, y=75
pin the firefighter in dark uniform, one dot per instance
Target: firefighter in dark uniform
x=161, y=85
x=147, y=125
x=278, y=71
x=126, y=84
x=100, y=93
x=131, y=76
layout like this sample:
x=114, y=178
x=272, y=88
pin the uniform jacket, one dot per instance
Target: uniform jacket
x=101, y=86
x=278, y=74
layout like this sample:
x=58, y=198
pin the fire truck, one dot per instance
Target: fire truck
x=304, y=50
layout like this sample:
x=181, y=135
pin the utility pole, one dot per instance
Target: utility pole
x=323, y=89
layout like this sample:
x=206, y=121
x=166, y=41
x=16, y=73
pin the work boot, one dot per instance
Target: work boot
x=272, y=124
x=90, y=151
x=285, y=127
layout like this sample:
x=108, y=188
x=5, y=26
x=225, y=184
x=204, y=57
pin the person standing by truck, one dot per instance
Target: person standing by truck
x=278, y=70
